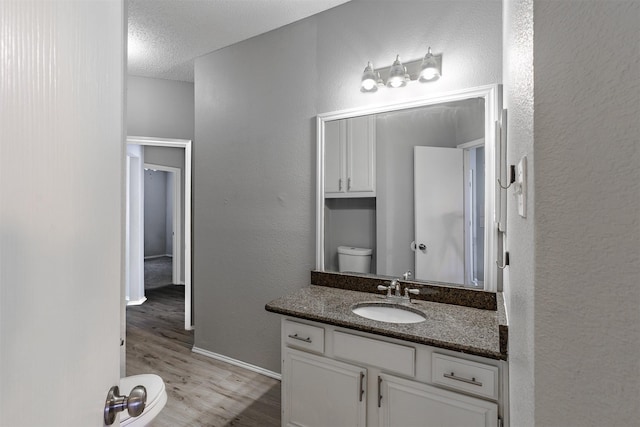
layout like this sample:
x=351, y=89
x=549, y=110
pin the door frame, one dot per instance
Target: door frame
x=134, y=241
x=469, y=212
x=177, y=218
x=186, y=188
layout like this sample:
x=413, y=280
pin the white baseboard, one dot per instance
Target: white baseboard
x=239, y=363
x=158, y=256
x=137, y=302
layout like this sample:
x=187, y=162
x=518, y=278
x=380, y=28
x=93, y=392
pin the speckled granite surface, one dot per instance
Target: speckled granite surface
x=436, y=292
x=454, y=327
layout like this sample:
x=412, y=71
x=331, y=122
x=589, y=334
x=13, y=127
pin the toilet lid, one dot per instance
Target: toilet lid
x=155, y=391
x=350, y=250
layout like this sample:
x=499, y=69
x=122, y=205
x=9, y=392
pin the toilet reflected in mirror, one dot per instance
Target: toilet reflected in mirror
x=354, y=260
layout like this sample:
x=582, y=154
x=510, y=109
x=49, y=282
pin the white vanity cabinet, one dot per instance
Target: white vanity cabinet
x=404, y=402
x=319, y=391
x=344, y=378
x=350, y=158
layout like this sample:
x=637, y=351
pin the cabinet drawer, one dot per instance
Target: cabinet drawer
x=390, y=357
x=310, y=338
x=461, y=374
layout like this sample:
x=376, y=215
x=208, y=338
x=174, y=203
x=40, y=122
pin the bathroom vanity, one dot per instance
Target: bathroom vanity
x=341, y=369
x=375, y=198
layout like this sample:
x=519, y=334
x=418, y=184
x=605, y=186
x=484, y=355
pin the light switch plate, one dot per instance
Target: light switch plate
x=521, y=186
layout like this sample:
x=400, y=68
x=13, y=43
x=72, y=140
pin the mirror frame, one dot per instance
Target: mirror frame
x=490, y=93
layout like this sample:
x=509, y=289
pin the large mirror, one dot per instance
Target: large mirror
x=411, y=186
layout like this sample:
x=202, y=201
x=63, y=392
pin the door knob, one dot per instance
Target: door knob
x=134, y=403
x=422, y=247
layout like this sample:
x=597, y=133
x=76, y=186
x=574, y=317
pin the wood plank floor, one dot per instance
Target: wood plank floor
x=201, y=391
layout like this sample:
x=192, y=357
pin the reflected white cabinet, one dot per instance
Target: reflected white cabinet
x=350, y=146
x=402, y=402
x=321, y=392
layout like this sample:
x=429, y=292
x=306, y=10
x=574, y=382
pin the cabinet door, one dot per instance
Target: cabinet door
x=361, y=154
x=334, y=157
x=320, y=392
x=405, y=403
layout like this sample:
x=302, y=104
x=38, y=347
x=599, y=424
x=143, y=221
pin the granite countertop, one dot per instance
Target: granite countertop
x=454, y=327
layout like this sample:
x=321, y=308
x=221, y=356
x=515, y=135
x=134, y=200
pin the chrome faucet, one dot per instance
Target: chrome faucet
x=395, y=286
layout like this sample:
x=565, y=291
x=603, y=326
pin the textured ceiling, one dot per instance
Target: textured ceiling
x=166, y=35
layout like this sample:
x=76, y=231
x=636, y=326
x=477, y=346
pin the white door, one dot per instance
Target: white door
x=439, y=214
x=61, y=209
x=320, y=392
x=405, y=403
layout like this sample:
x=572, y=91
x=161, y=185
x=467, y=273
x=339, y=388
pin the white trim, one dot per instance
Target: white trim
x=471, y=144
x=158, y=256
x=137, y=302
x=239, y=363
x=134, y=225
x=492, y=105
x=186, y=145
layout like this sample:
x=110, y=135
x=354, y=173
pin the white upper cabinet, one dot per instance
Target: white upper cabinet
x=350, y=147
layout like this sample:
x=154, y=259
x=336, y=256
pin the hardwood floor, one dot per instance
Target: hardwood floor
x=201, y=391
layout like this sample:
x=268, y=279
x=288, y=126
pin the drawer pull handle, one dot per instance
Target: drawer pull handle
x=379, y=392
x=296, y=337
x=464, y=380
x=361, y=385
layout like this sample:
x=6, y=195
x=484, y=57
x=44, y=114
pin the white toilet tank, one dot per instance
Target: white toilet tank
x=354, y=260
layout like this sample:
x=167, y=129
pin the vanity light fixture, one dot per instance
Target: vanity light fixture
x=424, y=70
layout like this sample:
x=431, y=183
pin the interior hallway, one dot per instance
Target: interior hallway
x=158, y=272
x=201, y=391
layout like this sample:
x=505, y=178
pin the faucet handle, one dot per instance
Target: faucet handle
x=406, y=275
x=408, y=291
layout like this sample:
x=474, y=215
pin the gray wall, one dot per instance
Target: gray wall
x=572, y=290
x=155, y=213
x=256, y=102
x=159, y=108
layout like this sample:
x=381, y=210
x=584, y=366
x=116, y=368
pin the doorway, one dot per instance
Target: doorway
x=163, y=228
x=134, y=263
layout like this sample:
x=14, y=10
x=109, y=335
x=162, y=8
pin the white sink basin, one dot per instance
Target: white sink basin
x=385, y=312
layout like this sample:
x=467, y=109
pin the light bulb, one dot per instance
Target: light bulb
x=369, y=79
x=429, y=68
x=397, y=74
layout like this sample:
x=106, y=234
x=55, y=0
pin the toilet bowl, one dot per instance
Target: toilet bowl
x=354, y=260
x=156, y=398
